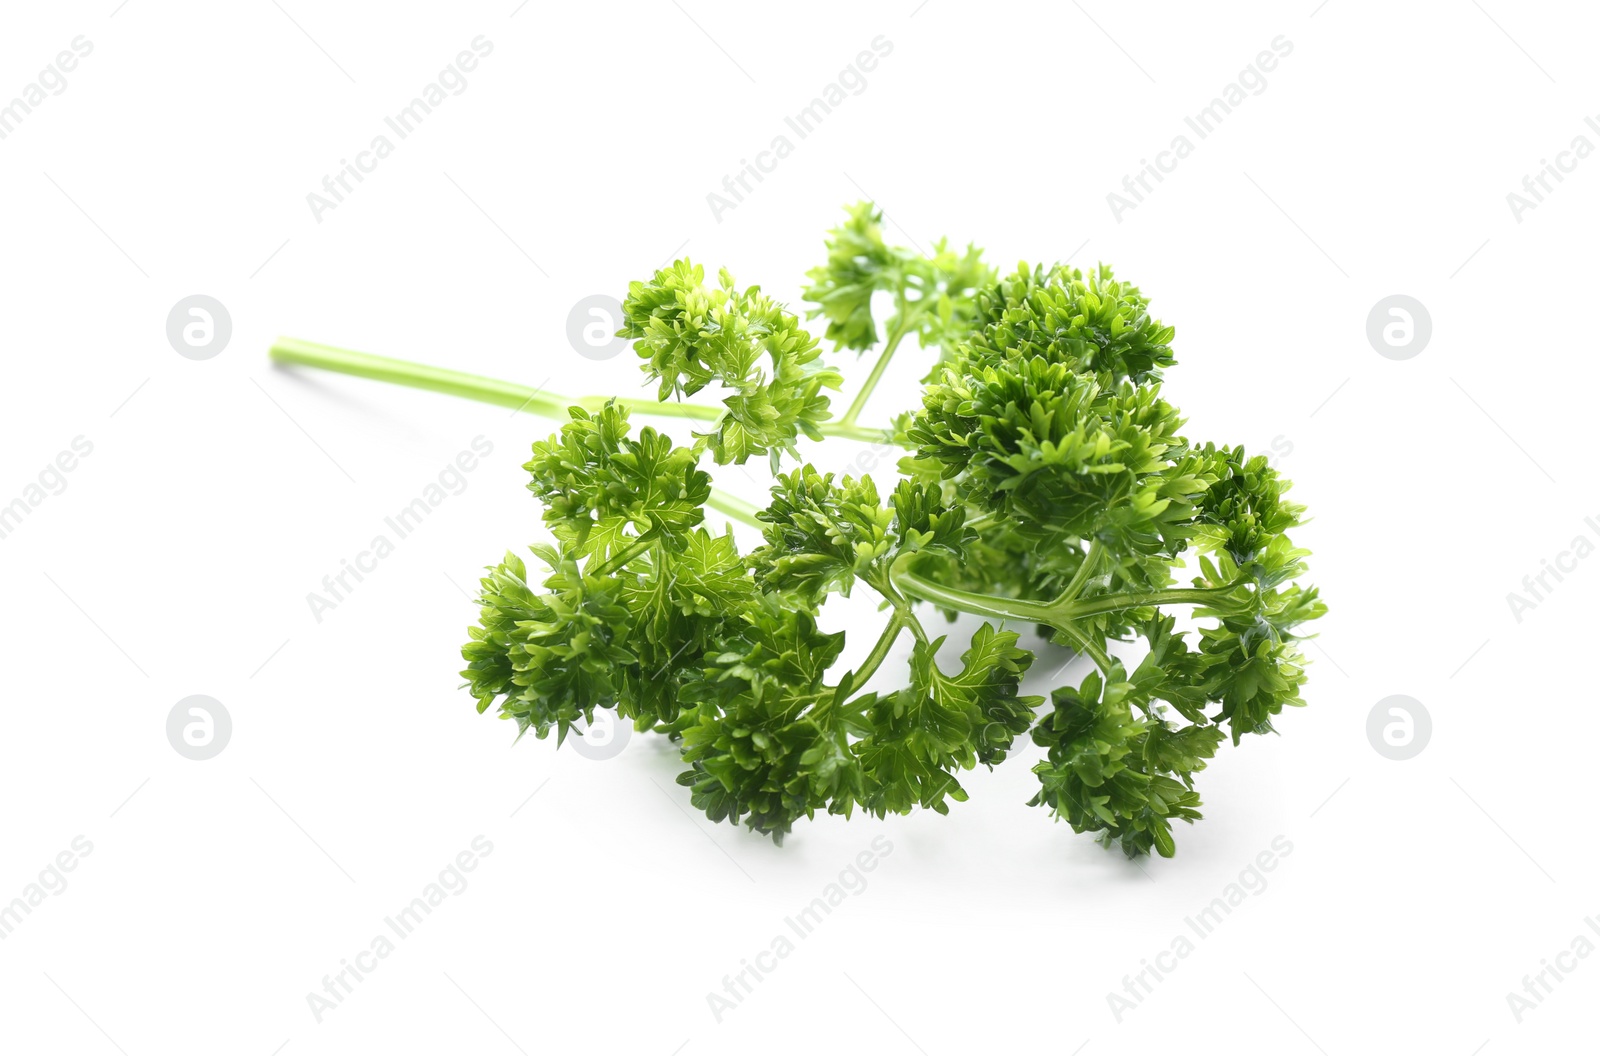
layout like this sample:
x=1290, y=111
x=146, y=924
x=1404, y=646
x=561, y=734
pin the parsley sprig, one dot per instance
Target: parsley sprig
x=1045, y=485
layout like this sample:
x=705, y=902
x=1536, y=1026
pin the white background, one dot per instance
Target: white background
x=219, y=493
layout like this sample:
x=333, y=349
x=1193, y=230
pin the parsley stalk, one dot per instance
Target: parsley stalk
x=510, y=394
x=521, y=397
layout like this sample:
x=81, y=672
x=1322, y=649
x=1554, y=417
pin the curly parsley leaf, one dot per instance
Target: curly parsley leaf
x=691, y=335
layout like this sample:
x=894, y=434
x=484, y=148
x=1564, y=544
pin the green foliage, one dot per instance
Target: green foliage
x=690, y=335
x=596, y=483
x=1045, y=481
x=1097, y=325
x=934, y=296
x=1122, y=775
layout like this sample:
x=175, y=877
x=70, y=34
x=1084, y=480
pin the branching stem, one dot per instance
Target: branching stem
x=1080, y=579
x=1061, y=614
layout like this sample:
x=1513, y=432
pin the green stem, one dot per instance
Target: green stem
x=1060, y=614
x=621, y=558
x=736, y=508
x=636, y=405
x=851, y=431
x=884, y=585
x=869, y=666
x=1072, y=610
x=1080, y=579
x=492, y=390
x=704, y=413
x=871, y=383
x=994, y=607
x=419, y=376
x=1088, y=646
x=506, y=393
x=988, y=605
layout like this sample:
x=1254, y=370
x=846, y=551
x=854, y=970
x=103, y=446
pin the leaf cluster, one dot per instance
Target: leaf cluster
x=691, y=335
x=1046, y=482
